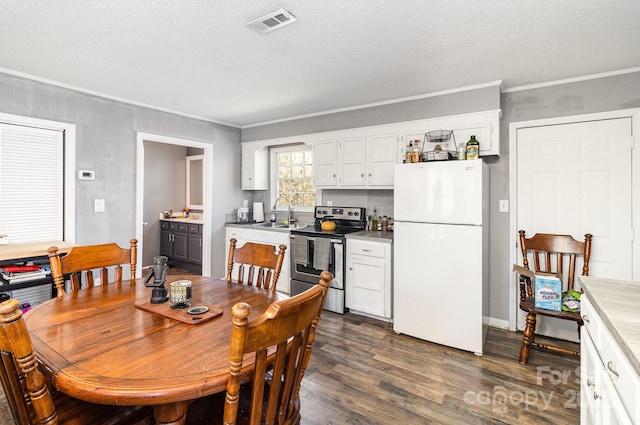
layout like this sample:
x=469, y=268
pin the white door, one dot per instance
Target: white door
x=575, y=179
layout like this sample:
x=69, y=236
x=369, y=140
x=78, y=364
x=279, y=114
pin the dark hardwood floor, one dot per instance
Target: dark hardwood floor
x=360, y=372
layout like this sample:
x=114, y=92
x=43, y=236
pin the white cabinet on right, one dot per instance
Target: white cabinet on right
x=610, y=384
x=368, y=277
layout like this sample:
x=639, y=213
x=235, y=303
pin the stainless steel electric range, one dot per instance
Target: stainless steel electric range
x=314, y=250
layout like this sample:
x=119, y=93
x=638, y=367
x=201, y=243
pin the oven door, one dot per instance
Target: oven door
x=309, y=272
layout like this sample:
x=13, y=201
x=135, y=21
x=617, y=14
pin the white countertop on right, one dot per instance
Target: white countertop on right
x=372, y=236
x=618, y=304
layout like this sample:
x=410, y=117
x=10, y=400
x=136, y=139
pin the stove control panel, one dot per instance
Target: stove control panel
x=341, y=213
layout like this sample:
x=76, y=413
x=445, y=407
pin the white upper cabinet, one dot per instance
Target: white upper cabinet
x=354, y=159
x=255, y=167
x=381, y=157
x=485, y=126
x=352, y=164
x=325, y=162
x=363, y=158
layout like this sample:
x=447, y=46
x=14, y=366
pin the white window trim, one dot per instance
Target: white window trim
x=69, y=165
x=273, y=178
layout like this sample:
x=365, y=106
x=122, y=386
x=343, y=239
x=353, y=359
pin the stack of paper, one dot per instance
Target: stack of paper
x=18, y=274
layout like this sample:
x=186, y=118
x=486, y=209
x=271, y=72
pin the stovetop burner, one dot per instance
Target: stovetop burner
x=347, y=219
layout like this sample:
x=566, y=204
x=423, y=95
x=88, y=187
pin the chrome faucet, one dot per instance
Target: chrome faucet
x=290, y=219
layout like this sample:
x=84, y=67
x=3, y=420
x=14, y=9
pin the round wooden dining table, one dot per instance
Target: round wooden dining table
x=100, y=346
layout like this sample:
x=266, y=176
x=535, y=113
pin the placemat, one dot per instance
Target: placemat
x=180, y=314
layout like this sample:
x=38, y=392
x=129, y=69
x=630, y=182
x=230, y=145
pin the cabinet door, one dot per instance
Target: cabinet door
x=180, y=246
x=613, y=412
x=382, y=158
x=352, y=164
x=166, y=243
x=325, y=163
x=365, y=286
x=195, y=243
x=590, y=381
x=255, y=168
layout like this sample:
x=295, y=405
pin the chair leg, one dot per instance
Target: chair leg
x=527, y=338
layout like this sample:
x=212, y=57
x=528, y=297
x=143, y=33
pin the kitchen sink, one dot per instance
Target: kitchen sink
x=266, y=224
x=279, y=226
x=290, y=226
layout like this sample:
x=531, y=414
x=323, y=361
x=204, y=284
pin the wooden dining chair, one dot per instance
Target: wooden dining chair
x=81, y=262
x=29, y=395
x=260, y=261
x=550, y=254
x=280, y=342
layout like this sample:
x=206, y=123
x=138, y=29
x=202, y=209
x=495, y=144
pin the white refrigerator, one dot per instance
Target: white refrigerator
x=441, y=252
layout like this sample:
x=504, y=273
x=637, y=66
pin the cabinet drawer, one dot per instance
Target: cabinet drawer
x=590, y=379
x=622, y=375
x=195, y=229
x=369, y=249
x=233, y=232
x=183, y=227
x=164, y=225
x=592, y=321
x=173, y=226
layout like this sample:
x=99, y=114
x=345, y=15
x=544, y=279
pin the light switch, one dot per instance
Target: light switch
x=98, y=205
x=504, y=205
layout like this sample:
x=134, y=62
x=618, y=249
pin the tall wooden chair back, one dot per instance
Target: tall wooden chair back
x=280, y=342
x=550, y=253
x=81, y=262
x=258, y=264
x=28, y=392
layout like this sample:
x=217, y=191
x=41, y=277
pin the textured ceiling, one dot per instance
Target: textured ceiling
x=197, y=58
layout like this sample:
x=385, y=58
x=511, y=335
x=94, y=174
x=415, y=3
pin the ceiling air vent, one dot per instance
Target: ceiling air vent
x=272, y=21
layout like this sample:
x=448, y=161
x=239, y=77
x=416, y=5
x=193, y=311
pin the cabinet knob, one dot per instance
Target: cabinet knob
x=370, y=174
x=366, y=250
x=596, y=396
x=590, y=383
x=585, y=318
x=610, y=366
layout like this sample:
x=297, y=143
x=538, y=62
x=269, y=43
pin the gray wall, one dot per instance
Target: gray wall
x=164, y=190
x=483, y=99
x=598, y=95
x=106, y=143
x=585, y=97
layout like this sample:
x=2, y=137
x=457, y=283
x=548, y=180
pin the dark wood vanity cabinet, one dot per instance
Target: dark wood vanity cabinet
x=181, y=241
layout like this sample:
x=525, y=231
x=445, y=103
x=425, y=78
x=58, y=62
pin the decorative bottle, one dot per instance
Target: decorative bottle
x=415, y=154
x=407, y=155
x=473, y=148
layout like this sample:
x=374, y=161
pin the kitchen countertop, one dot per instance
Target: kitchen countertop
x=14, y=251
x=372, y=236
x=617, y=301
x=272, y=227
x=183, y=220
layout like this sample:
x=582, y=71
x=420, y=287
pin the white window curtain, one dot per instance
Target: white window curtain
x=31, y=183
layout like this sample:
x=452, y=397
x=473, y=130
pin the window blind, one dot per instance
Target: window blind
x=31, y=183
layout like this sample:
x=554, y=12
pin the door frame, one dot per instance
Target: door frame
x=207, y=212
x=634, y=114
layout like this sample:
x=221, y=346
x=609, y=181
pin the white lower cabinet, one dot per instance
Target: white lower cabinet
x=610, y=386
x=368, y=278
x=272, y=237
